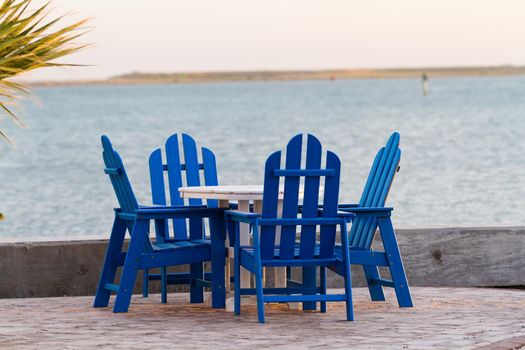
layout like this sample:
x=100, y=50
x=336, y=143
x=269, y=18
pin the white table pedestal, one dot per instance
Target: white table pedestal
x=243, y=195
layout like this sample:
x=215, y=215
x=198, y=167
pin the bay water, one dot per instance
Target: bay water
x=462, y=164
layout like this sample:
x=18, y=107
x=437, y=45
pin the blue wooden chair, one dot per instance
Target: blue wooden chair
x=306, y=252
x=370, y=215
x=175, y=170
x=142, y=253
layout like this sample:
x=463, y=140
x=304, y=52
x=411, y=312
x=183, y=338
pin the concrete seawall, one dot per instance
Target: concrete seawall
x=452, y=257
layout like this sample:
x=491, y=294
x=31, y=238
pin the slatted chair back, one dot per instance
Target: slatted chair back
x=175, y=167
x=114, y=167
x=292, y=173
x=384, y=168
x=119, y=179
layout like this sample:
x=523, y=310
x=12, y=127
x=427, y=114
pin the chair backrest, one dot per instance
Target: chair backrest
x=292, y=173
x=384, y=168
x=175, y=167
x=119, y=179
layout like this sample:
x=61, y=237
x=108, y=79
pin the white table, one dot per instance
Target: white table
x=243, y=195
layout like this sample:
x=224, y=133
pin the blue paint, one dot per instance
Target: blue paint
x=144, y=254
x=175, y=169
x=370, y=215
x=306, y=253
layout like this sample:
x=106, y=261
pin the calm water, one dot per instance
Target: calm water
x=463, y=159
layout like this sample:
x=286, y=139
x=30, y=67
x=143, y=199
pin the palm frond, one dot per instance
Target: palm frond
x=28, y=41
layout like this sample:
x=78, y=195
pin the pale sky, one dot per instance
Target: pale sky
x=232, y=35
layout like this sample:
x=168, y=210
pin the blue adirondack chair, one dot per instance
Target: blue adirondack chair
x=175, y=170
x=370, y=215
x=142, y=253
x=306, y=252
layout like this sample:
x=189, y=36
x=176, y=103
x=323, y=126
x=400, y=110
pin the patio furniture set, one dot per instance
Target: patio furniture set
x=294, y=220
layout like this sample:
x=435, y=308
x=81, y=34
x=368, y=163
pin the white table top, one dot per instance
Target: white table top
x=233, y=192
x=237, y=192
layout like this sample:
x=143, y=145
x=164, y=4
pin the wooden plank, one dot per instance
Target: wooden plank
x=357, y=223
x=384, y=181
x=303, y=172
x=120, y=182
x=111, y=287
x=156, y=173
x=382, y=197
x=175, y=181
x=271, y=196
x=330, y=202
x=376, y=180
x=291, y=197
x=158, y=191
x=376, y=191
x=310, y=198
x=192, y=165
x=192, y=179
x=210, y=173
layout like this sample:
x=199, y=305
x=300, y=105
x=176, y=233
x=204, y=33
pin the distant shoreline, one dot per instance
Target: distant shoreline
x=291, y=75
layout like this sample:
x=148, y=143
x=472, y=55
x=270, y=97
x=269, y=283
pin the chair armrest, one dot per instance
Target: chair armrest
x=161, y=206
x=348, y=205
x=320, y=207
x=188, y=211
x=348, y=216
x=235, y=206
x=241, y=216
x=369, y=211
x=238, y=216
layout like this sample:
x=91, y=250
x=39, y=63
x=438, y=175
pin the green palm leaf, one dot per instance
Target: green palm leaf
x=28, y=42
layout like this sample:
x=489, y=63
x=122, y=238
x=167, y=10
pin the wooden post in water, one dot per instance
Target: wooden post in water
x=424, y=82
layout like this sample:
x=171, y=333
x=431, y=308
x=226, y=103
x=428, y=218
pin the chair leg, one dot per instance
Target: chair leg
x=347, y=274
x=196, y=269
x=218, y=262
x=397, y=270
x=237, y=283
x=196, y=291
x=259, y=290
x=131, y=266
x=348, y=292
x=375, y=289
x=323, y=286
x=145, y=284
x=309, y=280
x=109, y=270
x=163, y=285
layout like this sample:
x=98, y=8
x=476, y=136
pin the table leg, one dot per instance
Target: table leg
x=244, y=236
x=257, y=208
x=218, y=288
x=244, y=239
x=279, y=272
x=229, y=251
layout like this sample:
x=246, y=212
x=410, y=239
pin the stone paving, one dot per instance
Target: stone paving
x=443, y=318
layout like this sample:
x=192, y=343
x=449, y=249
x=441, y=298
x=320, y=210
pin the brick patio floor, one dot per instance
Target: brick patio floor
x=443, y=318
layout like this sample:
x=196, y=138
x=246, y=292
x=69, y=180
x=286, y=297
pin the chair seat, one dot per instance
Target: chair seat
x=182, y=245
